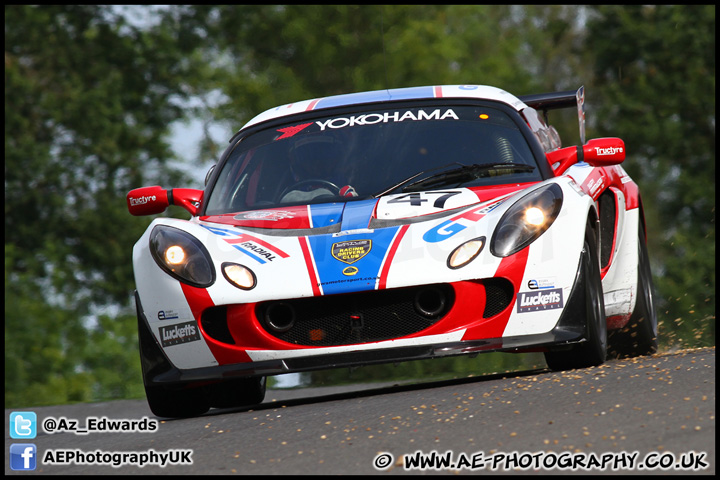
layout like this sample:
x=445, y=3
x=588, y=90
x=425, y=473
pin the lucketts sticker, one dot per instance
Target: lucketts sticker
x=539, y=300
x=179, y=333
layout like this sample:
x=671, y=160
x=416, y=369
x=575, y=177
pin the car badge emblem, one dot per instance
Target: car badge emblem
x=351, y=251
x=348, y=271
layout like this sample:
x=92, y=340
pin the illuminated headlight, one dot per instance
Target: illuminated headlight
x=465, y=253
x=239, y=275
x=182, y=256
x=525, y=221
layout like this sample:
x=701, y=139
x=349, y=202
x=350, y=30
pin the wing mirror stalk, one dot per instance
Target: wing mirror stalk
x=598, y=152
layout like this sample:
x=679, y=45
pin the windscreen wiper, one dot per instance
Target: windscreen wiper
x=462, y=174
x=411, y=178
x=467, y=173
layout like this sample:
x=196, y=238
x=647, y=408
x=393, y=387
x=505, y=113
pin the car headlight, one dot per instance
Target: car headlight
x=525, y=221
x=182, y=256
x=465, y=253
x=239, y=275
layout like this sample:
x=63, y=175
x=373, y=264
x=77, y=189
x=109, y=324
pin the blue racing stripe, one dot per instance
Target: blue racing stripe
x=251, y=255
x=326, y=214
x=350, y=263
x=357, y=214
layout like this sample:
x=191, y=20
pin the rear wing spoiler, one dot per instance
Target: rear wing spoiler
x=553, y=101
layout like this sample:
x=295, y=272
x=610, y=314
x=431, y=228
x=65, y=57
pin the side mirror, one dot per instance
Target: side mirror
x=154, y=200
x=147, y=201
x=598, y=152
x=603, y=152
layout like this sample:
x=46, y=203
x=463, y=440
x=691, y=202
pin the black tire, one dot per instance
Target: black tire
x=240, y=392
x=176, y=402
x=593, y=351
x=640, y=335
x=171, y=402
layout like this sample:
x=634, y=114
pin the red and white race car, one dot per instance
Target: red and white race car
x=388, y=226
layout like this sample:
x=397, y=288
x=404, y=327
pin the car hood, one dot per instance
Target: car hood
x=352, y=246
x=386, y=211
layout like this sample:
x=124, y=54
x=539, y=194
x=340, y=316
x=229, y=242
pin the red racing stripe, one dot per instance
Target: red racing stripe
x=244, y=237
x=391, y=254
x=513, y=269
x=310, y=267
x=199, y=300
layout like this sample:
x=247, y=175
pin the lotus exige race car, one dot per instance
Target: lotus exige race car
x=388, y=226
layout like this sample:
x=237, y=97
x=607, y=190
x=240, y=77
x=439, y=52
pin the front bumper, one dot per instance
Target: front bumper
x=158, y=370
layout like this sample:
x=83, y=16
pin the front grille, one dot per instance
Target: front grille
x=499, y=294
x=214, y=322
x=356, y=317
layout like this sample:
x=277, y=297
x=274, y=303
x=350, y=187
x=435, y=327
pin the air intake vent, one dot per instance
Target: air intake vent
x=357, y=317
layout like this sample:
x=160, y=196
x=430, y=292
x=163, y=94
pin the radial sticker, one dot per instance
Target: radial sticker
x=539, y=300
x=351, y=251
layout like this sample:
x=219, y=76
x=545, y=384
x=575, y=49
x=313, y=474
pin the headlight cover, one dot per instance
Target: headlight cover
x=465, y=253
x=239, y=275
x=182, y=256
x=525, y=221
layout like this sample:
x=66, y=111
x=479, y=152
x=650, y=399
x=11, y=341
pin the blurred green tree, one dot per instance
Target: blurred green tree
x=89, y=99
x=654, y=81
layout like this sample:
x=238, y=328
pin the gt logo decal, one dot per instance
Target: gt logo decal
x=258, y=249
x=448, y=228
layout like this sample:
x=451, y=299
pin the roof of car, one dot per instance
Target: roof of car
x=410, y=93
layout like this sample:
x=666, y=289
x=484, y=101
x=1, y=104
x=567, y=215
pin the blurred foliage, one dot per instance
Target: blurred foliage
x=91, y=93
x=654, y=76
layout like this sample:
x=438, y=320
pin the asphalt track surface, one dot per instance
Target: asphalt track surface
x=648, y=415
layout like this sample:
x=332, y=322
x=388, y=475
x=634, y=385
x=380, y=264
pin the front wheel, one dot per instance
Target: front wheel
x=172, y=402
x=239, y=392
x=593, y=351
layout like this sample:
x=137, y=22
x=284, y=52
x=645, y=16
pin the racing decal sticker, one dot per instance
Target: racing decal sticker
x=288, y=132
x=415, y=204
x=173, y=314
x=257, y=249
x=386, y=117
x=327, y=260
x=541, y=283
x=539, y=300
x=179, y=333
x=594, y=183
x=271, y=215
x=448, y=228
x=350, y=271
x=351, y=251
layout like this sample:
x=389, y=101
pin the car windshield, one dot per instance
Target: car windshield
x=373, y=153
